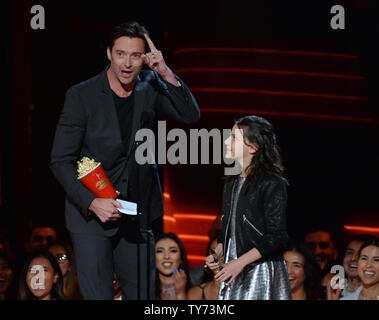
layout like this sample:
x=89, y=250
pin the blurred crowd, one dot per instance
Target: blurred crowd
x=45, y=269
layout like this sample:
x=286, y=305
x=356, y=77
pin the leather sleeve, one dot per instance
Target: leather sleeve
x=275, y=239
x=65, y=153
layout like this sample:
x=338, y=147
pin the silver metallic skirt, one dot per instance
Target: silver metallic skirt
x=267, y=280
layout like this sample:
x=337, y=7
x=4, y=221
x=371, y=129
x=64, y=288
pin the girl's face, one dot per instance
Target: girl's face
x=368, y=266
x=295, y=266
x=237, y=149
x=167, y=256
x=60, y=254
x=41, y=281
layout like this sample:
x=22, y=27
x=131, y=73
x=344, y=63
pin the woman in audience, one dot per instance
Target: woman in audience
x=65, y=258
x=7, y=291
x=368, y=272
x=172, y=268
x=209, y=287
x=41, y=278
x=350, y=264
x=303, y=271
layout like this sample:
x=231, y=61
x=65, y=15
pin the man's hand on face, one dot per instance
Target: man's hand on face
x=154, y=59
x=106, y=209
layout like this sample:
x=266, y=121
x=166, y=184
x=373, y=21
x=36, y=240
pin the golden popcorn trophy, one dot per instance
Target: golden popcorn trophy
x=93, y=176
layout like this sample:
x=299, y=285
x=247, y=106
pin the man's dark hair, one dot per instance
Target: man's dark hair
x=325, y=228
x=130, y=29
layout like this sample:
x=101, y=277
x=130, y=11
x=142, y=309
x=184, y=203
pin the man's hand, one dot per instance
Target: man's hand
x=154, y=59
x=106, y=209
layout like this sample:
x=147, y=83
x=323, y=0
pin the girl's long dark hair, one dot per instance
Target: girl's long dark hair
x=57, y=289
x=183, y=265
x=267, y=159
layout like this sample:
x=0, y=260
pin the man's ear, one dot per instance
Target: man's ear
x=109, y=55
x=55, y=278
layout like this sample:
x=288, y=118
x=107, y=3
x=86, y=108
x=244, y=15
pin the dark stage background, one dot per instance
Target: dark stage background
x=329, y=145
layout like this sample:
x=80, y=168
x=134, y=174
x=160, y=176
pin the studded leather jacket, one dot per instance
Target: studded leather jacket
x=260, y=216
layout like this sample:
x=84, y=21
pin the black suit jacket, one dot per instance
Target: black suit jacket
x=88, y=126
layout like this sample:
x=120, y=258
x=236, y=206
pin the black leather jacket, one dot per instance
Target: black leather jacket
x=260, y=214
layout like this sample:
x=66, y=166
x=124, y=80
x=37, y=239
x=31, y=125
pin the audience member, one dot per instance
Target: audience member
x=172, y=281
x=7, y=283
x=40, y=237
x=368, y=272
x=322, y=244
x=304, y=272
x=216, y=227
x=5, y=247
x=208, y=287
x=65, y=258
x=196, y=273
x=320, y=240
x=41, y=278
x=350, y=263
x=117, y=288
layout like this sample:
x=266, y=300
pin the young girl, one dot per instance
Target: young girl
x=254, y=229
x=41, y=278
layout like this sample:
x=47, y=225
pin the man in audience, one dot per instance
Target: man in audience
x=350, y=263
x=320, y=241
x=40, y=237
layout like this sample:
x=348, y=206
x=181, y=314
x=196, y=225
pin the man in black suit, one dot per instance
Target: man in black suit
x=99, y=120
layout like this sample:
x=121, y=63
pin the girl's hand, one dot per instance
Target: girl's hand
x=230, y=271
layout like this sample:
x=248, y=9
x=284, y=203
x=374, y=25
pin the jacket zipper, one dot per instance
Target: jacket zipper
x=245, y=219
x=230, y=214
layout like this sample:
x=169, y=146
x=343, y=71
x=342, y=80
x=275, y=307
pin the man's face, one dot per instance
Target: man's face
x=126, y=59
x=350, y=260
x=40, y=239
x=322, y=245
